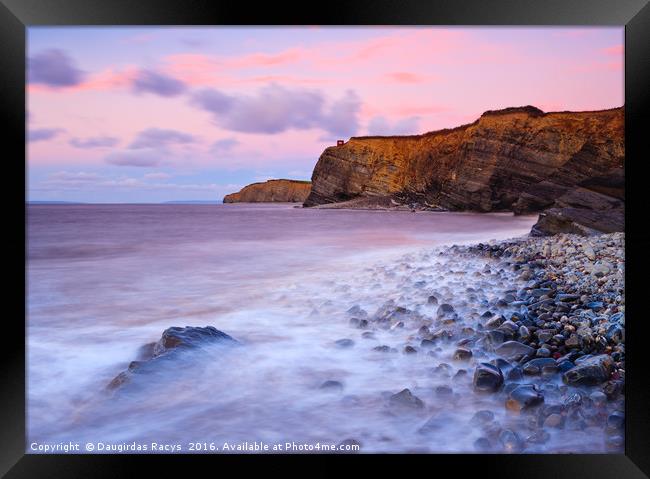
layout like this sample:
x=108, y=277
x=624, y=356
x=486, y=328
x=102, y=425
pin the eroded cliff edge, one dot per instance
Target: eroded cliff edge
x=568, y=165
x=272, y=191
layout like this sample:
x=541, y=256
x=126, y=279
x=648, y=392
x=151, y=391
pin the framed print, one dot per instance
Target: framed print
x=356, y=235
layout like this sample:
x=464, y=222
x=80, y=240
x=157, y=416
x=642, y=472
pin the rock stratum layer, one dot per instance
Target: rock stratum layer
x=568, y=164
x=272, y=191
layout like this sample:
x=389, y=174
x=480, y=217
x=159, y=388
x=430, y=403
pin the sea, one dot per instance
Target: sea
x=285, y=282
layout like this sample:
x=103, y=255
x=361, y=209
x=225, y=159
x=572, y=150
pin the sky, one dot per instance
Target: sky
x=138, y=115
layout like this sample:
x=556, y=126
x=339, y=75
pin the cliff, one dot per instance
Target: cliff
x=271, y=191
x=569, y=164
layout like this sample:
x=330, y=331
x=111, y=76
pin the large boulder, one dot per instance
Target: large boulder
x=171, y=346
x=591, y=371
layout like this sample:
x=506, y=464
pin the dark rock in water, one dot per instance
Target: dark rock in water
x=432, y=300
x=444, y=309
x=510, y=441
x=382, y=349
x=564, y=366
x=483, y=416
x=173, y=343
x=145, y=352
x=189, y=337
x=482, y=444
x=515, y=374
x=368, y=335
x=344, y=343
x=462, y=354
x=357, y=311
x=591, y=371
x=495, y=337
x=410, y=350
x=444, y=391
x=555, y=421
x=616, y=420
x=513, y=350
x=405, y=399
x=332, y=385
x=535, y=366
x=427, y=344
x=487, y=377
x=461, y=373
x=524, y=396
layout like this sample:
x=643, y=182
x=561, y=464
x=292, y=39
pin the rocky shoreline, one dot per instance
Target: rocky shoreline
x=571, y=323
x=527, y=337
x=551, y=350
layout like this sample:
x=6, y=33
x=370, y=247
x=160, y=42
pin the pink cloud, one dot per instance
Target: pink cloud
x=408, y=77
x=614, y=50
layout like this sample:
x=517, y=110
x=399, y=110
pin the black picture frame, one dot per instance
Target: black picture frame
x=17, y=15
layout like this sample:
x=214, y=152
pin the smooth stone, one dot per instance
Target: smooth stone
x=598, y=398
x=534, y=366
x=510, y=441
x=462, y=354
x=553, y=421
x=591, y=371
x=543, y=353
x=337, y=385
x=445, y=308
x=410, y=350
x=616, y=419
x=487, y=377
x=513, y=350
x=483, y=416
x=344, y=343
x=405, y=399
x=524, y=396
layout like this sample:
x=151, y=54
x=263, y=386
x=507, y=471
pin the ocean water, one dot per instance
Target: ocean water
x=103, y=280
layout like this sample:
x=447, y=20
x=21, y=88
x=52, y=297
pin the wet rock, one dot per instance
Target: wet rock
x=432, y=300
x=534, y=366
x=513, y=350
x=170, y=349
x=332, y=385
x=462, y=354
x=427, y=344
x=543, y=353
x=554, y=421
x=410, y=350
x=344, y=343
x=510, y=441
x=368, y=335
x=405, y=399
x=591, y=371
x=522, y=397
x=515, y=374
x=483, y=416
x=444, y=391
x=598, y=398
x=444, y=309
x=487, y=377
x=382, y=349
x=616, y=420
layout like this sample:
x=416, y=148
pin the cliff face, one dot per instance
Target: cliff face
x=271, y=191
x=518, y=159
